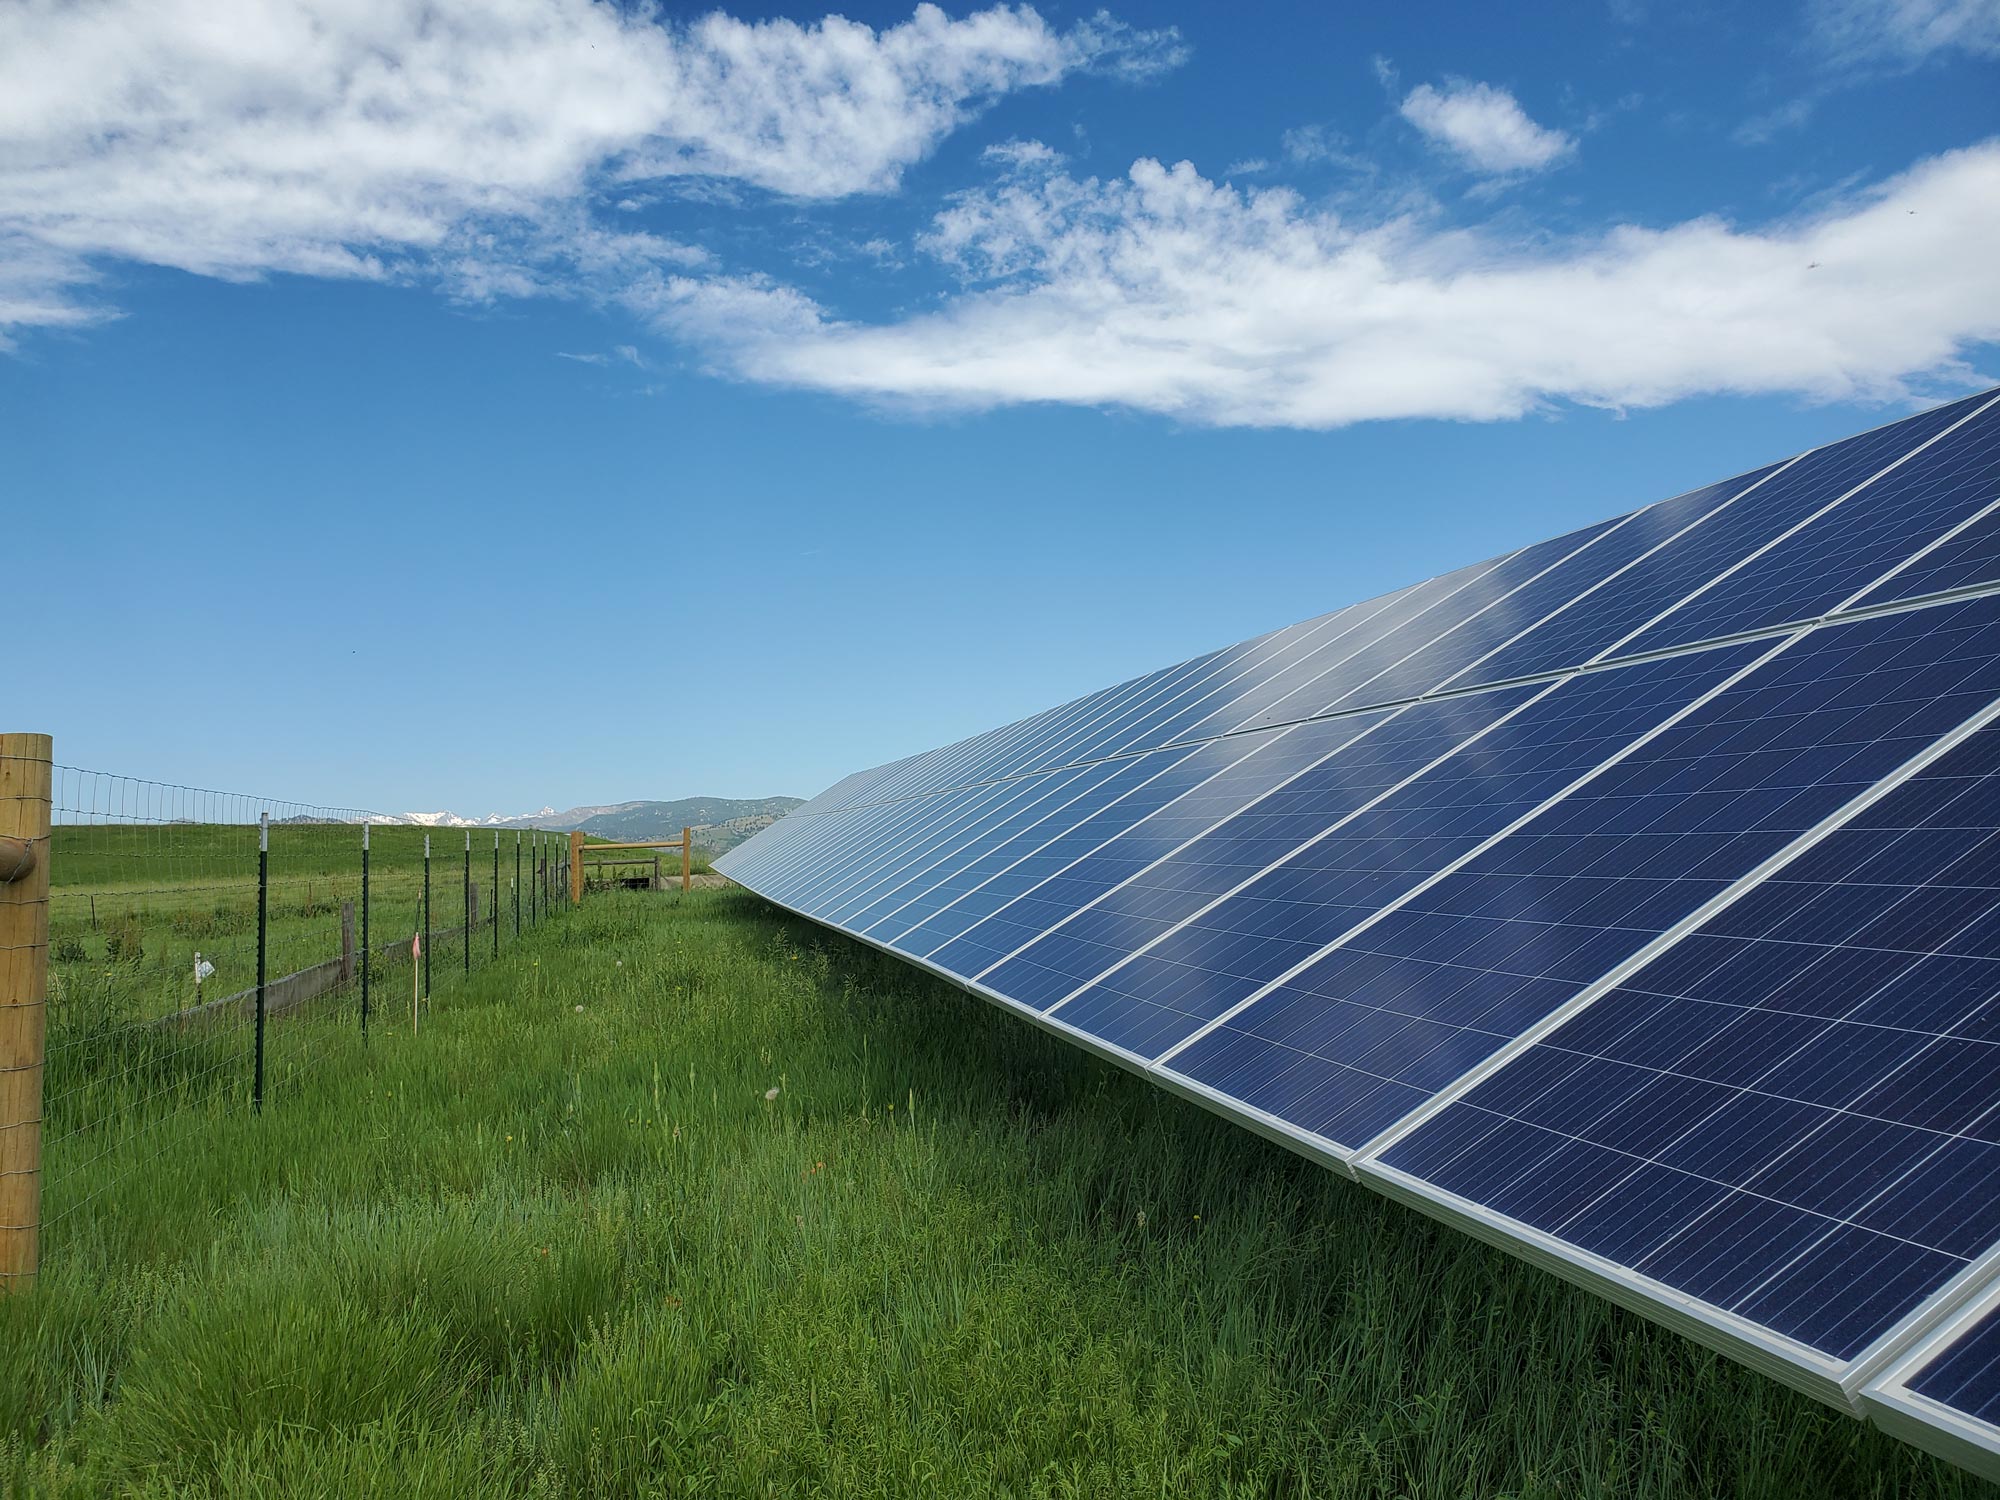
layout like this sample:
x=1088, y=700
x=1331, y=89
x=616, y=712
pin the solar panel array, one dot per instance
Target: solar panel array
x=1631, y=900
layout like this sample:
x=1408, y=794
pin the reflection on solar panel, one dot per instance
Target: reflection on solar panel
x=1631, y=900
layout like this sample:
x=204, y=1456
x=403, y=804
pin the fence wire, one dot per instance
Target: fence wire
x=157, y=907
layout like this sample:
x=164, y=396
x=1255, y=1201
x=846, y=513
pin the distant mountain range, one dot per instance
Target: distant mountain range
x=719, y=823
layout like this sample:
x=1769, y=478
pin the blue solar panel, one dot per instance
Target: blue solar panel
x=1967, y=558
x=1544, y=898
x=1071, y=899
x=915, y=834
x=1297, y=905
x=1765, y=511
x=996, y=844
x=1794, y=1111
x=1820, y=566
x=986, y=925
x=1222, y=703
x=1403, y=1008
x=1030, y=858
x=1966, y=1375
x=1036, y=798
x=1355, y=680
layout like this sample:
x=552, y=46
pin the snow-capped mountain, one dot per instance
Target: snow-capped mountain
x=453, y=820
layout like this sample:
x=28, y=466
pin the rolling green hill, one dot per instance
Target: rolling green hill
x=719, y=823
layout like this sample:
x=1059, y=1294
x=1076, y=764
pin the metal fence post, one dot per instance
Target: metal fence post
x=466, y=908
x=365, y=954
x=496, y=894
x=26, y=779
x=517, y=882
x=263, y=932
x=427, y=918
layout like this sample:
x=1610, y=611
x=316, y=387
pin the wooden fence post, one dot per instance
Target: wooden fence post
x=576, y=867
x=687, y=860
x=25, y=784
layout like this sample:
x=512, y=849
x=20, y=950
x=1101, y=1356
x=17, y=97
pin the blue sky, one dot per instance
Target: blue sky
x=361, y=363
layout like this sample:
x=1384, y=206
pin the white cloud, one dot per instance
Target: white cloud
x=1761, y=130
x=1167, y=293
x=1308, y=145
x=1022, y=156
x=623, y=353
x=1484, y=126
x=1905, y=31
x=365, y=138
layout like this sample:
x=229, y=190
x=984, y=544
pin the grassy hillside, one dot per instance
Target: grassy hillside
x=720, y=823
x=683, y=1197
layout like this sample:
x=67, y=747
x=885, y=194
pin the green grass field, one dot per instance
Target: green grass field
x=681, y=1197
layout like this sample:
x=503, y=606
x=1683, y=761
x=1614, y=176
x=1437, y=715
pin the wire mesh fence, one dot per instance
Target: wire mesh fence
x=207, y=950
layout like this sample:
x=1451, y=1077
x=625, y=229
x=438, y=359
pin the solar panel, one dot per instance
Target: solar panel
x=1631, y=900
x=1945, y=1394
x=1793, y=1113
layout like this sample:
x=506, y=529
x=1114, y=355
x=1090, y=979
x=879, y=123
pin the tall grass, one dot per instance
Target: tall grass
x=569, y=1241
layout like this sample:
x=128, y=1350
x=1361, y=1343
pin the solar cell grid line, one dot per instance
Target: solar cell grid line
x=1102, y=786
x=1026, y=860
x=774, y=854
x=1430, y=601
x=978, y=757
x=897, y=832
x=1107, y=736
x=866, y=836
x=1015, y=805
x=1246, y=709
x=1217, y=959
x=974, y=762
x=1228, y=714
x=1652, y=529
x=1246, y=676
x=1887, y=592
x=1665, y=578
x=1571, y=582
x=983, y=757
x=1059, y=748
x=826, y=839
x=1944, y=1393
x=778, y=873
x=1050, y=906
x=1495, y=944
x=1254, y=834
x=1811, y=1075
x=1967, y=558
x=1208, y=672
x=1353, y=684
x=867, y=786
x=1036, y=798
x=1838, y=554
x=1230, y=700
x=1198, y=721
x=973, y=949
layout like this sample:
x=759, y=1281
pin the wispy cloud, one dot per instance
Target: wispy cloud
x=233, y=138
x=1904, y=31
x=626, y=354
x=1165, y=292
x=1484, y=127
x=1761, y=130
